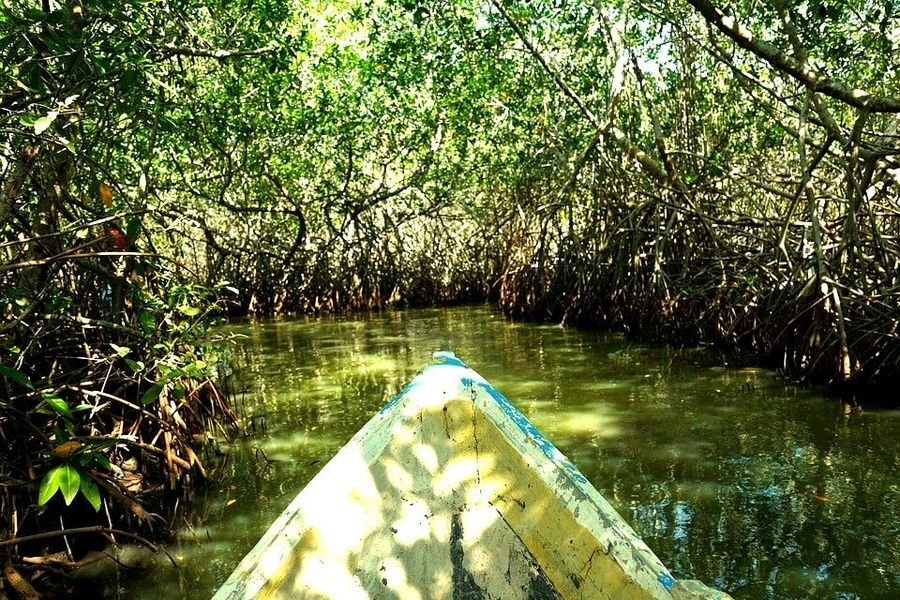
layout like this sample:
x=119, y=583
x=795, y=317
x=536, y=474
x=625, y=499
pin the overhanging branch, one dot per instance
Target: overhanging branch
x=218, y=54
x=813, y=80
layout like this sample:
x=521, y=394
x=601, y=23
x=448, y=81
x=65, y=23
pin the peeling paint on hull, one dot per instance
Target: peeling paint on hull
x=449, y=492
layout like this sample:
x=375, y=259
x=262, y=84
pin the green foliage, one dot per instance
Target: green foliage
x=93, y=98
x=58, y=405
x=74, y=475
x=611, y=162
x=164, y=162
x=16, y=376
x=65, y=479
x=90, y=492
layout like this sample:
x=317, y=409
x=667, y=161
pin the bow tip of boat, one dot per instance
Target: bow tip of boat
x=446, y=357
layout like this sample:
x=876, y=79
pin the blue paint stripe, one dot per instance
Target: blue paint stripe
x=393, y=401
x=448, y=359
x=555, y=456
x=445, y=357
x=528, y=428
x=666, y=580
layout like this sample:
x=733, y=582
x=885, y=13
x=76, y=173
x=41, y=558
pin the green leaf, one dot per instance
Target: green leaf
x=21, y=85
x=135, y=365
x=102, y=461
x=90, y=492
x=41, y=125
x=132, y=229
x=49, y=486
x=67, y=145
x=129, y=80
x=58, y=405
x=189, y=311
x=62, y=436
x=153, y=393
x=120, y=350
x=69, y=482
x=148, y=323
x=195, y=369
x=17, y=376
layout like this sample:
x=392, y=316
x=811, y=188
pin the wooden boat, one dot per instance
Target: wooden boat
x=450, y=492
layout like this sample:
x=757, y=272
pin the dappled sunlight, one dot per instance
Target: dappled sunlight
x=416, y=522
x=656, y=459
x=397, y=474
x=476, y=521
x=325, y=579
x=375, y=364
x=456, y=474
x=587, y=422
x=396, y=580
x=427, y=457
x=448, y=493
x=286, y=445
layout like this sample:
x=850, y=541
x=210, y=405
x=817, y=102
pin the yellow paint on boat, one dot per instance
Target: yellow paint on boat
x=450, y=492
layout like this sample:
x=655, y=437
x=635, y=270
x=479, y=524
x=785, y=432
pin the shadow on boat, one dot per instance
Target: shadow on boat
x=449, y=492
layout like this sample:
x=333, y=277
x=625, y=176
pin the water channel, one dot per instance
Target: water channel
x=730, y=475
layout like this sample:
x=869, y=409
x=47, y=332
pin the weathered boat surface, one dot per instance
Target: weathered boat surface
x=450, y=492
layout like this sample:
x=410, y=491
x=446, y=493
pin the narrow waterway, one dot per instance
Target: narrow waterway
x=731, y=476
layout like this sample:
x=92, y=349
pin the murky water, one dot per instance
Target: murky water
x=731, y=477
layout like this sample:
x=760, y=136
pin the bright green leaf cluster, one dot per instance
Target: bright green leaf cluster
x=68, y=480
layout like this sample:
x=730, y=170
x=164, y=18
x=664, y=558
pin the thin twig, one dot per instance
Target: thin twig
x=77, y=531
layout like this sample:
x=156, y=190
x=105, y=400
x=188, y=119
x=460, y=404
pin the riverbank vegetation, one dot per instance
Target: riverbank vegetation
x=109, y=394
x=693, y=171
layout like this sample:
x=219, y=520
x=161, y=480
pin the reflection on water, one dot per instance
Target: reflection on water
x=730, y=476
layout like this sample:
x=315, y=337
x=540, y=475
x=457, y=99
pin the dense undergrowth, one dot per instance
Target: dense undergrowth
x=110, y=408
x=687, y=185
x=667, y=275
x=725, y=175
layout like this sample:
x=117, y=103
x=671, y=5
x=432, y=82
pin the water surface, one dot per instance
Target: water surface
x=731, y=476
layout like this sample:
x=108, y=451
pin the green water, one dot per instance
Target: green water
x=731, y=476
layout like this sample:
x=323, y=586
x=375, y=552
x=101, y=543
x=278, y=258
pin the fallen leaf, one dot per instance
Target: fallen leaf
x=65, y=450
x=105, y=194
